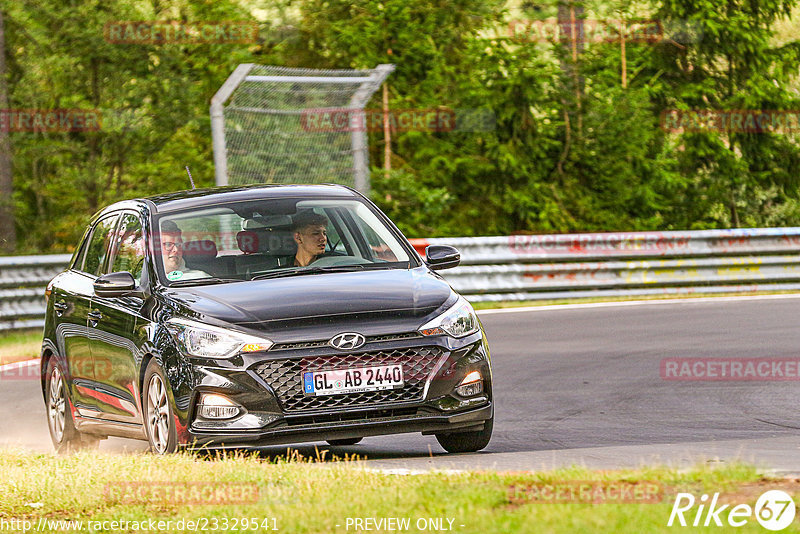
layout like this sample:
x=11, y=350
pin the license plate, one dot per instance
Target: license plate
x=356, y=380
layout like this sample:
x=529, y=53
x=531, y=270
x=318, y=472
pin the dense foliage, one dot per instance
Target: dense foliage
x=572, y=148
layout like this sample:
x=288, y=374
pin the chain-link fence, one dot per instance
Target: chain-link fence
x=282, y=125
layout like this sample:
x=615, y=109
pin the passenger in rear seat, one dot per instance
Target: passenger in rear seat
x=172, y=254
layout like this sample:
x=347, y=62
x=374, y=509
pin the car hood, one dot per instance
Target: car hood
x=326, y=301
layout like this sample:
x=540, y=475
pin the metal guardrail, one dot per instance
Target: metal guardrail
x=539, y=267
x=545, y=267
x=22, y=283
x=600, y=246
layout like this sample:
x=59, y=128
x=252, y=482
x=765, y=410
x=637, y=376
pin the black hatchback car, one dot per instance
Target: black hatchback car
x=251, y=316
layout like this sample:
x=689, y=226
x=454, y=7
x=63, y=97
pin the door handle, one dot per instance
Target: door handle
x=94, y=317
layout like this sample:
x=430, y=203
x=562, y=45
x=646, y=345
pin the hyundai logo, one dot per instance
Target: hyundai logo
x=347, y=341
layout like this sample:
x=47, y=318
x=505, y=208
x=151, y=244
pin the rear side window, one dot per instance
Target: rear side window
x=129, y=252
x=99, y=244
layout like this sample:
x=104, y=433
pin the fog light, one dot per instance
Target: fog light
x=213, y=406
x=471, y=385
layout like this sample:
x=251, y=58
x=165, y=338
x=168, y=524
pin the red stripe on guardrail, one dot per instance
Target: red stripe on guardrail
x=420, y=245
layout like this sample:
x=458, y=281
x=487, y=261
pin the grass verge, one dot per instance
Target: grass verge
x=298, y=495
x=20, y=345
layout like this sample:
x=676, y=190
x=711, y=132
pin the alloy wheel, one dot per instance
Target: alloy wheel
x=158, y=414
x=56, y=405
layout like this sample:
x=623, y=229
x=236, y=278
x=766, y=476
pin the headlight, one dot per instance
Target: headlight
x=206, y=341
x=458, y=321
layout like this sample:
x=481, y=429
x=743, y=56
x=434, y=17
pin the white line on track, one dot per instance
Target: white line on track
x=18, y=365
x=655, y=302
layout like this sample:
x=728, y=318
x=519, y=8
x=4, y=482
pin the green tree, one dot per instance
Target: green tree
x=153, y=100
x=731, y=179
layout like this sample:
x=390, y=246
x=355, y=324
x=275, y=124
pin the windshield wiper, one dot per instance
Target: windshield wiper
x=309, y=270
x=203, y=281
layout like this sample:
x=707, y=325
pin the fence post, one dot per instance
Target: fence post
x=218, y=121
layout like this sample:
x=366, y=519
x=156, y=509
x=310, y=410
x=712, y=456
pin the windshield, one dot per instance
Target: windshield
x=273, y=238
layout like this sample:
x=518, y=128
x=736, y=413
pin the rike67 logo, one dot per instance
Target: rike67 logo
x=774, y=510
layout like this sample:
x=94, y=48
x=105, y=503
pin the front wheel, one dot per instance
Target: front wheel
x=158, y=416
x=66, y=438
x=467, y=441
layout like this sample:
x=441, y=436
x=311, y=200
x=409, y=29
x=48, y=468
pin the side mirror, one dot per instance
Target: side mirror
x=114, y=284
x=442, y=257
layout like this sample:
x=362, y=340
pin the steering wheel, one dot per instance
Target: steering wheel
x=326, y=261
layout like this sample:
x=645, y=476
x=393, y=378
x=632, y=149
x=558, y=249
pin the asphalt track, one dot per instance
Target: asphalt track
x=582, y=385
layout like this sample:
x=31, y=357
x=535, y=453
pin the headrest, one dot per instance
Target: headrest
x=203, y=248
x=273, y=242
x=247, y=240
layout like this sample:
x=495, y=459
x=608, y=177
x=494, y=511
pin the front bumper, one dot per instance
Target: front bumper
x=472, y=420
x=275, y=414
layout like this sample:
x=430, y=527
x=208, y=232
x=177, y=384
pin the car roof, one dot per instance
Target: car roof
x=193, y=198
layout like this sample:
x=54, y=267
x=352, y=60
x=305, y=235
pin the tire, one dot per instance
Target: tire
x=467, y=441
x=159, y=419
x=344, y=441
x=66, y=438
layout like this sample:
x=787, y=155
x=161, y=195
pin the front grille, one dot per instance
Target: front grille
x=302, y=345
x=392, y=337
x=285, y=378
x=324, y=342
